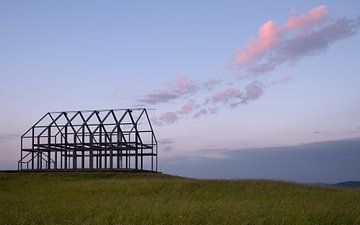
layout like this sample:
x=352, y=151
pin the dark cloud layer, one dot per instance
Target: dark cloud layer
x=329, y=162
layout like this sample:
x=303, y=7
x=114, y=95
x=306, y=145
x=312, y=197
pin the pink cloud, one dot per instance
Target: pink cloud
x=253, y=92
x=172, y=90
x=168, y=117
x=230, y=96
x=187, y=108
x=314, y=16
x=307, y=43
x=183, y=86
x=269, y=34
x=155, y=121
x=226, y=95
x=278, y=45
x=234, y=97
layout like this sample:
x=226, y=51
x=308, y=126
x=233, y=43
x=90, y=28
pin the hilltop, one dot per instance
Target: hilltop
x=348, y=184
x=149, y=198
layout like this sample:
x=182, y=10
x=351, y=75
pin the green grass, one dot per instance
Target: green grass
x=139, y=198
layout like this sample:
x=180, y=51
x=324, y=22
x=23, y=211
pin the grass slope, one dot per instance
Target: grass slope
x=137, y=198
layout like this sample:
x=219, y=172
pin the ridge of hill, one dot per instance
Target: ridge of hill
x=348, y=184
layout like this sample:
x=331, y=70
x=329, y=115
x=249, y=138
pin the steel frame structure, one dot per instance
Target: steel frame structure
x=90, y=140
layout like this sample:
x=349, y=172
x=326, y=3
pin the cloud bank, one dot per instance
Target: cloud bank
x=328, y=162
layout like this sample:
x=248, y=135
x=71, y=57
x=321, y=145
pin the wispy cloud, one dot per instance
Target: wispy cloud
x=227, y=96
x=172, y=90
x=168, y=117
x=159, y=96
x=166, y=141
x=300, y=36
x=167, y=144
x=202, y=112
x=321, y=132
x=165, y=118
x=8, y=137
x=168, y=148
x=211, y=84
x=234, y=96
x=355, y=131
x=187, y=108
x=183, y=86
x=282, y=80
x=230, y=97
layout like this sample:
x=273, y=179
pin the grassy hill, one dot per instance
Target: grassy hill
x=348, y=184
x=144, y=198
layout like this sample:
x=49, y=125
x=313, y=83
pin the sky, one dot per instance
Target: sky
x=229, y=80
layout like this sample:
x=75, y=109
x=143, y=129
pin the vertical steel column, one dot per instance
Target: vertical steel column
x=74, y=154
x=39, y=156
x=49, y=149
x=137, y=138
x=156, y=158
x=106, y=149
x=66, y=149
x=56, y=153
x=91, y=152
x=61, y=152
x=118, y=146
x=99, y=150
x=127, y=154
x=111, y=153
x=21, y=155
x=152, y=151
x=32, y=147
x=142, y=156
x=136, y=151
x=83, y=147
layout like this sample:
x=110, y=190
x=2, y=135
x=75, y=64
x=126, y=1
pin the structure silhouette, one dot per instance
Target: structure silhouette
x=90, y=140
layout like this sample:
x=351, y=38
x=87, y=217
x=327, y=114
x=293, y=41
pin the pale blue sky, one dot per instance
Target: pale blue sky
x=72, y=55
